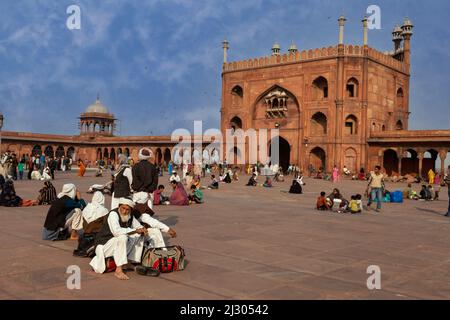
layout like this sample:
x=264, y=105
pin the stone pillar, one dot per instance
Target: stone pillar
x=443, y=156
x=400, y=157
x=420, y=157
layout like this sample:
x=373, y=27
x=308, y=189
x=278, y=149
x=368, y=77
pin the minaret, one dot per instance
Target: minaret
x=341, y=29
x=293, y=49
x=365, y=22
x=397, y=38
x=276, y=49
x=225, y=46
x=407, y=33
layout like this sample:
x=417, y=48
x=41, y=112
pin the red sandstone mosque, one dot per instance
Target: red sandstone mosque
x=339, y=105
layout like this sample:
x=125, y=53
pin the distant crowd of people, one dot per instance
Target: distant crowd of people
x=127, y=226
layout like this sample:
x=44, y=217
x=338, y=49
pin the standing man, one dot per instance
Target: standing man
x=14, y=164
x=145, y=178
x=447, y=182
x=52, y=165
x=376, y=186
x=42, y=163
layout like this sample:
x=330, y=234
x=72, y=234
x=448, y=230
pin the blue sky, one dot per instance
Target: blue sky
x=157, y=64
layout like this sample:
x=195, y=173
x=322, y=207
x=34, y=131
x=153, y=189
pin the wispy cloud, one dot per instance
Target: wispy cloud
x=157, y=63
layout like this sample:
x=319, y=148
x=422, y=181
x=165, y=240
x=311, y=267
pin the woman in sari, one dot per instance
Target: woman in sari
x=335, y=174
x=179, y=197
x=82, y=168
x=431, y=176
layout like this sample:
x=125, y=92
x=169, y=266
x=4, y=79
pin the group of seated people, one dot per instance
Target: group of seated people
x=45, y=176
x=427, y=193
x=253, y=182
x=335, y=199
x=120, y=233
x=9, y=197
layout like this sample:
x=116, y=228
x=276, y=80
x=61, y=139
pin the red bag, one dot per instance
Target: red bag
x=110, y=265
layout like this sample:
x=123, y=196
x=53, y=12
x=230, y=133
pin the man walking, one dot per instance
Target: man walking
x=376, y=186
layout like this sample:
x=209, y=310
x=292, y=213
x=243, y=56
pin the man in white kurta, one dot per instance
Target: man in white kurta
x=124, y=240
x=155, y=228
x=175, y=177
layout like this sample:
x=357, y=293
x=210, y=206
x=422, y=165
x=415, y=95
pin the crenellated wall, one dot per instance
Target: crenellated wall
x=316, y=54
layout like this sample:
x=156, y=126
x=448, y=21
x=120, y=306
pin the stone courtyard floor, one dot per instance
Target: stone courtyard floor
x=248, y=243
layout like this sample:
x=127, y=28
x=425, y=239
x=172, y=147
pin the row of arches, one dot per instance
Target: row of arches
x=319, y=124
x=96, y=127
x=382, y=127
x=49, y=151
x=413, y=162
x=320, y=91
x=111, y=154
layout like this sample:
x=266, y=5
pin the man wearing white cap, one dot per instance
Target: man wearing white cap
x=145, y=177
x=64, y=215
x=121, y=237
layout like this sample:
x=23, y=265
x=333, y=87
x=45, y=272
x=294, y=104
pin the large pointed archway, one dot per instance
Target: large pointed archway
x=390, y=162
x=282, y=156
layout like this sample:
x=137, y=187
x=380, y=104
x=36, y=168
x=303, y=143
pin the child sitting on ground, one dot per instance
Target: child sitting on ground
x=196, y=195
x=159, y=197
x=355, y=204
x=268, y=183
x=214, y=184
x=322, y=203
x=252, y=181
x=431, y=192
x=425, y=194
x=409, y=193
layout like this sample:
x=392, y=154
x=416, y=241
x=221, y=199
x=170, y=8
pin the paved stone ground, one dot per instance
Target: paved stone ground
x=248, y=243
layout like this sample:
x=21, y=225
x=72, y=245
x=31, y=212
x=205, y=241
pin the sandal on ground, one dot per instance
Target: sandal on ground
x=146, y=271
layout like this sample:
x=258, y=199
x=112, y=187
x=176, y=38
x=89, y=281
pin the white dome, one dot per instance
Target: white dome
x=97, y=107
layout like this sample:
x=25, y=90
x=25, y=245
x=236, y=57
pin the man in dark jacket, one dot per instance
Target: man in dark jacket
x=145, y=178
x=64, y=215
x=53, y=164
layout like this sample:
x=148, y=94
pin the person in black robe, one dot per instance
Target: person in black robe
x=8, y=197
x=296, y=188
x=252, y=181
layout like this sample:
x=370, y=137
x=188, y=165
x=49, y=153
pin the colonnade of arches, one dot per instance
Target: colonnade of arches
x=419, y=161
x=97, y=127
x=53, y=151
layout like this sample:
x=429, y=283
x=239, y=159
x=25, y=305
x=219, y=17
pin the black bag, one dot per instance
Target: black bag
x=86, y=246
